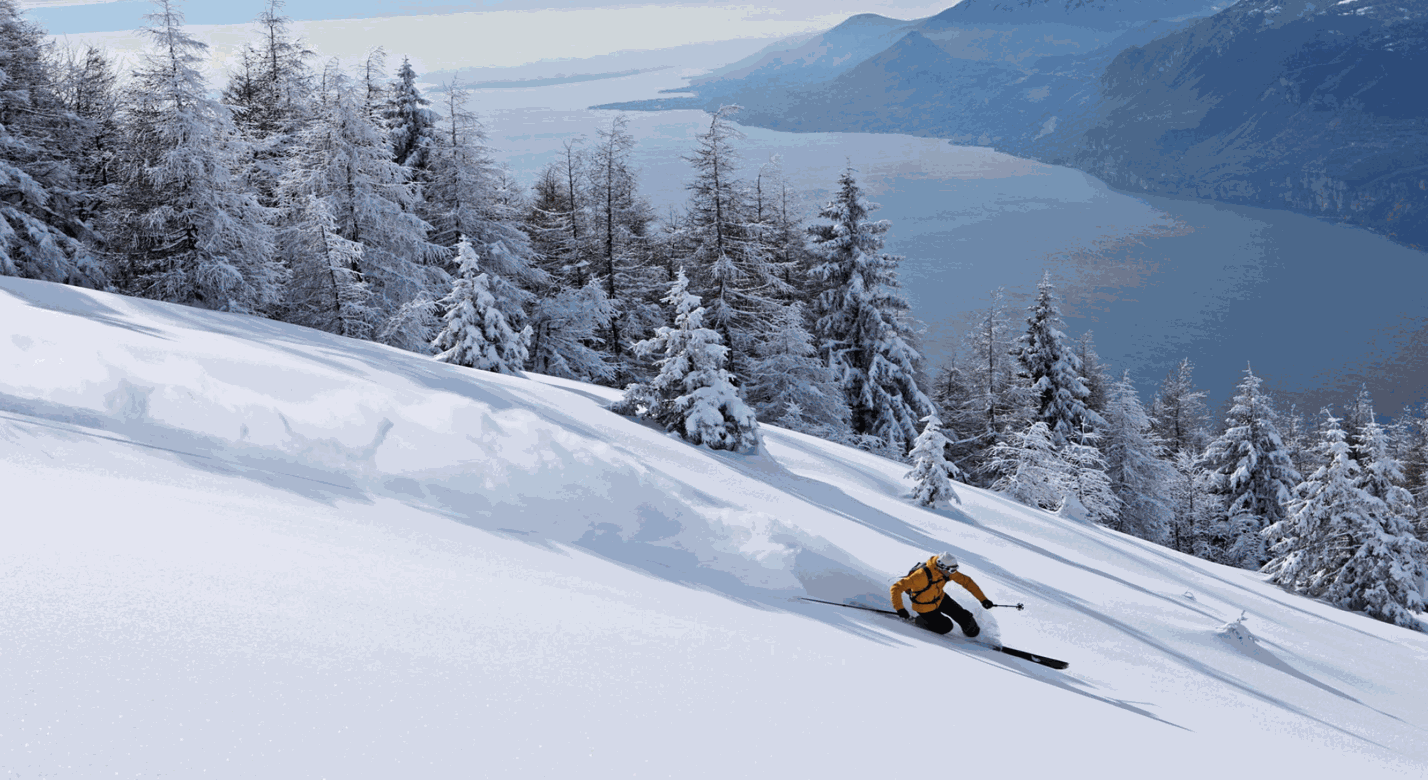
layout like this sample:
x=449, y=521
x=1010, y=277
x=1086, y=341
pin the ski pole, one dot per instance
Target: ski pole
x=1018, y=606
x=848, y=606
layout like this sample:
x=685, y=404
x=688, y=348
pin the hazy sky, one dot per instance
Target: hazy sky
x=71, y=16
x=446, y=34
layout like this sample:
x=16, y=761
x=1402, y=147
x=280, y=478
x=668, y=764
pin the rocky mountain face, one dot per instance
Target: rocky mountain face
x=1316, y=107
x=1277, y=102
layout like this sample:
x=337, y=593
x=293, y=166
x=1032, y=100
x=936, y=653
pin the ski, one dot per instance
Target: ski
x=1034, y=658
x=1011, y=651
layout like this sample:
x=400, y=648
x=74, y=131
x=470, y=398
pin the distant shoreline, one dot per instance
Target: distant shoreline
x=554, y=80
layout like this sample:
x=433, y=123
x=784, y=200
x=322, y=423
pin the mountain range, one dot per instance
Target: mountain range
x=1279, y=103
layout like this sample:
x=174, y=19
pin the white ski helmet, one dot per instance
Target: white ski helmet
x=947, y=562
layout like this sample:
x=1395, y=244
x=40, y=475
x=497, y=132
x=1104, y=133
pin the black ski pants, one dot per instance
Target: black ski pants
x=940, y=619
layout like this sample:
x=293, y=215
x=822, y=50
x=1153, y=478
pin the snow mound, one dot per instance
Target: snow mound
x=1237, y=633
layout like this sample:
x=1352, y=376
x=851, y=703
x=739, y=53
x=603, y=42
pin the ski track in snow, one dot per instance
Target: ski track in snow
x=237, y=548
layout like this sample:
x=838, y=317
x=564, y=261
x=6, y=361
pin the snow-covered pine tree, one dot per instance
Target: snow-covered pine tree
x=786, y=370
x=1382, y=475
x=186, y=229
x=1297, y=440
x=373, y=87
x=1033, y=471
x=1314, y=541
x=88, y=88
x=931, y=471
x=332, y=273
x=1053, y=370
x=410, y=123
x=1358, y=416
x=462, y=196
x=999, y=400
x=694, y=392
x=1094, y=373
x=1193, y=506
x=1090, y=496
x=956, y=405
x=1179, y=420
x=777, y=210
x=1251, y=474
x=1384, y=577
x=272, y=96
x=1178, y=416
x=619, y=227
x=1347, y=545
x=1412, y=452
x=731, y=268
x=553, y=229
x=861, y=328
x=42, y=230
x=565, y=323
x=342, y=158
x=1140, y=479
x=477, y=333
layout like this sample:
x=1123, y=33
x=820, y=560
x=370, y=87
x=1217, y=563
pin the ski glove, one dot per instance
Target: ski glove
x=987, y=604
x=902, y=613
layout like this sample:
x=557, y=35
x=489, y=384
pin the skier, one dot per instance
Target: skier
x=925, y=585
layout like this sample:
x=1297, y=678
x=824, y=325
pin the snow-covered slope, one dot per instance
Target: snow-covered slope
x=235, y=548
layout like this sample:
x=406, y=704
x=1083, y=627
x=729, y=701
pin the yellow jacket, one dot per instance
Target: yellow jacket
x=925, y=584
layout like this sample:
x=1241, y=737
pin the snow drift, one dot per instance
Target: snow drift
x=237, y=548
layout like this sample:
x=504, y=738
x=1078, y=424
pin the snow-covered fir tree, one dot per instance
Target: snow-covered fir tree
x=1316, y=539
x=477, y=333
x=410, y=122
x=730, y=267
x=187, y=230
x=1251, y=474
x=1033, y=471
x=1382, y=476
x=1178, y=416
x=1345, y=545
x=42, y=230
x=1090, y=496
x=1053, y=370
x=786, y=373
x=1139, y=477
x=861, y=325
x=694, y=393
x=1385, y=578
x=931, y=472
x=342, y=158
